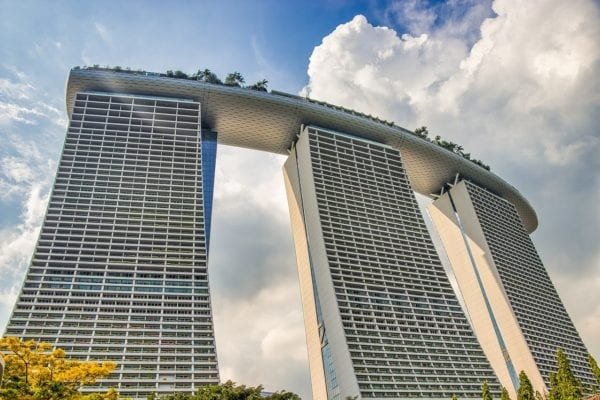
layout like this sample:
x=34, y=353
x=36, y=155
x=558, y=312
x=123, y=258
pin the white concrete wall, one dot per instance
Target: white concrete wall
x=447, y=226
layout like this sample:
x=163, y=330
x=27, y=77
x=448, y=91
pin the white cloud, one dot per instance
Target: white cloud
x=253, y=177
x=15, y=89
x=16, y=169
x=103, y=32
x=254, y=288
x=21, y=102
x=24, y=178
x=16, y=247
x=8, y=296
x=10, y=112
x=415, y=15
x=17, y=242
x=524, y=96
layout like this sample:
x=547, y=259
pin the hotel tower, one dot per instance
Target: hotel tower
x=120, y=269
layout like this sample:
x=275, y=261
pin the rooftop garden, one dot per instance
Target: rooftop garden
x=235, y=79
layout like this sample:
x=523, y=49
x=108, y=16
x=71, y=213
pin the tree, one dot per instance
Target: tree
x=230, y=391
x=208, y=76
x=35, y=370
x=180, y=74
x=422, y=132
x=525, y=391
x=283, y=395
x=454, y=397
x=554, y=393
x=260, y=85
x=504, y=395
x=234, y=79
x=539, y=396
x=595, y=370
x=563, y=384
x=485, y=391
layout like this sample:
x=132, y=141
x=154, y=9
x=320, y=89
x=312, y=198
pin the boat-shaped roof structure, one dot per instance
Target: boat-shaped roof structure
x=271, y=121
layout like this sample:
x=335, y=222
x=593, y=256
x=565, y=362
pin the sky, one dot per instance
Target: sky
x=517, y=83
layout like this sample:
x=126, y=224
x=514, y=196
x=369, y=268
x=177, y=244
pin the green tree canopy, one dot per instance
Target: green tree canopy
x=260, y=86
x=504, y=395
x=422, y=132
x=208, y=76
x=485, y=391
x=230, y=391
x=525, y=391
x=234, y=79
x=563, y=383
x=180, y=74
x=595, y=370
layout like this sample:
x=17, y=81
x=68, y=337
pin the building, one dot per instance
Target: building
x=514, y=308
x=388, y=324
x=120, y=268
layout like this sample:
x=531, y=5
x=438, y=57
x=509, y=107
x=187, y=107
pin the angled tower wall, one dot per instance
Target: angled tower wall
x=387, y=320
x=513, y=305
x=120, y=267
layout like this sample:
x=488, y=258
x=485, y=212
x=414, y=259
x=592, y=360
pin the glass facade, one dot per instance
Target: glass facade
x=393, y=324
x=120, y=268
x=537, y=307
x=209, y=160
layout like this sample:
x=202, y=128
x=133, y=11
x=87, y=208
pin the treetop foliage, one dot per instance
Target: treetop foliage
x=423, y=133
x=595, y=370
x=525, y=391
x=37, y=371
x=229, y=391
x=485, y=391
x=563, y=383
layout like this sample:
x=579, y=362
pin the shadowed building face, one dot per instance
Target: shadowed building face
x=514, y=308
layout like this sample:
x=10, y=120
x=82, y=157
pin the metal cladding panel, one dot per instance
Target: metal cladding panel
x=270, y=122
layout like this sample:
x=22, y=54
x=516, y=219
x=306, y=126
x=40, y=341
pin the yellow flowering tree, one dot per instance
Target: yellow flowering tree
x=37, y=371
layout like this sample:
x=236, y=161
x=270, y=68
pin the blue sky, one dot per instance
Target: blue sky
x=515, y=82
x=265, y=37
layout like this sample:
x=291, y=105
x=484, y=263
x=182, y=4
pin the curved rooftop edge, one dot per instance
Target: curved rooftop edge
x=270, y=122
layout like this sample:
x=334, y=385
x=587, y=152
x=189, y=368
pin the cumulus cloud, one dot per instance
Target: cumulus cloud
x=524, y=96
x=16, y=246
x=22, y=102
x=15, y=89
x=103, y=32
x=24, y=178
x=17, y=242
x=254, y=284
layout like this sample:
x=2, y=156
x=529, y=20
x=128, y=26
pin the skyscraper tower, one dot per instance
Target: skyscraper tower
x=382, y=319
x=120, y=268
x=514, y=308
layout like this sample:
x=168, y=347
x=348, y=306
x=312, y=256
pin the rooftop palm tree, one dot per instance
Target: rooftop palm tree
x=234, y=79
x=208, y=76
x=260, y=85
